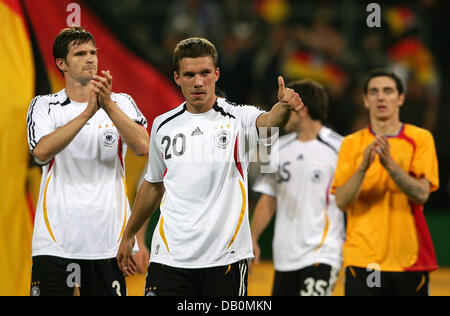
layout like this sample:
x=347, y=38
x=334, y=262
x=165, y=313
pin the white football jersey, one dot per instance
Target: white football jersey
x=309, y=227
x=202, y=159
x=83, y=206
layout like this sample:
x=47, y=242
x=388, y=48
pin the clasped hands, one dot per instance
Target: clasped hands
x=100, y=88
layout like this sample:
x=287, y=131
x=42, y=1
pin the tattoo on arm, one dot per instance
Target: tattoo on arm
x=417, y=190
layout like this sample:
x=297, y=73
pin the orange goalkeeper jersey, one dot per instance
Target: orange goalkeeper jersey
x=383, y=226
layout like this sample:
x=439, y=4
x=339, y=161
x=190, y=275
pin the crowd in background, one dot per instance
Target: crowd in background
x=328, y=41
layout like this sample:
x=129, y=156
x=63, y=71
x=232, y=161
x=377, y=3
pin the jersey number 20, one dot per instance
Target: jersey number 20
x=178, y=138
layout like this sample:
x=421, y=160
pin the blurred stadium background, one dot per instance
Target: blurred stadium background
x=326, y=40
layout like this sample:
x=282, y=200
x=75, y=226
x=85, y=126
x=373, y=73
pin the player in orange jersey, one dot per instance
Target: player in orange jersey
x=384, y=176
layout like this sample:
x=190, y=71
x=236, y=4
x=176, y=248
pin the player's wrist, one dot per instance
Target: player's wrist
x=363, y=168
x=391, y=166
x=108, y=104
x=284, y=105
x=129, y=233
x=87, y=114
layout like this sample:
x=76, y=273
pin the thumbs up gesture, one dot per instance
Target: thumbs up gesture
x=289, y=97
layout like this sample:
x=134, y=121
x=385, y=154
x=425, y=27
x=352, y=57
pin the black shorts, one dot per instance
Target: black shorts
x=55, y=276
x=230, y=280
x=316, y=280
x=363, y=282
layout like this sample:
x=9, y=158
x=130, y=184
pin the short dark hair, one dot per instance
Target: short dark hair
x=194, y=47
x=381, y=72
x=66, y=36
x=314, y=97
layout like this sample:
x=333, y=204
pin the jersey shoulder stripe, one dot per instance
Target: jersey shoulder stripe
x=55, y=98
x=234, y=104
x=31, y=123
x=221, y=110
x=335, y=136
x=330, y=138
x=177, y=113
x=320, y=139
x=143, y=120
x=64, y=103
x=67, y=101
x=288, y=139
x=46, y=101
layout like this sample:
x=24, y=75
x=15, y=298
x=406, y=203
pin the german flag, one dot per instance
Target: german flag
x=304, y=64
x=273, y=11
x=400, y=19
x=412, y=53
x=28, y=29
x=16, y=91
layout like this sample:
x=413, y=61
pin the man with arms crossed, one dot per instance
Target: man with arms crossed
x=384, y=176
x=198, y=172
x=309, y=228
x=80, y=136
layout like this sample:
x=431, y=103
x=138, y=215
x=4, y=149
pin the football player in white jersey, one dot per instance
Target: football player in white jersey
x=309, y=228
x=80, y=136
x=197, y=172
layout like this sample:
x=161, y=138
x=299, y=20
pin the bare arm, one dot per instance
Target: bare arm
x=349, y=192
x=264, y=211
x=142, y=257
x=55, y=142
x=279, y=114
x=147, y=200
x=418, y=190
x=134, y=135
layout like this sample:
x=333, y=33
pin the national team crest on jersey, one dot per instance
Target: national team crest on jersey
x=317, y=176
x=222, y=139
x=35, y=291
x=109, y=137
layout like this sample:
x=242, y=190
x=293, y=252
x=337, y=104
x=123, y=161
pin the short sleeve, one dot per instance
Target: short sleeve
x=156, y=165
x=131, y=109
x=344, y=167
x=249, y=115
x=425, y=163
x=266, y=184
x=39, y=122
